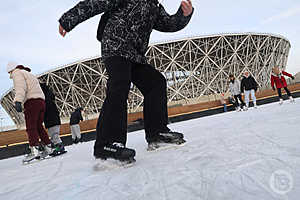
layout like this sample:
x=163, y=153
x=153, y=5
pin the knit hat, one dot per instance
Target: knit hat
x=11, y=66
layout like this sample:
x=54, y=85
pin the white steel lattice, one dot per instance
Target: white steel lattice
x=194, y=68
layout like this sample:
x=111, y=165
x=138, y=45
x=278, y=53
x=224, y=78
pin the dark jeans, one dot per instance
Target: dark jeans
x=236, y=97
x=112, y=121
x=287, y=92
x=34, y=110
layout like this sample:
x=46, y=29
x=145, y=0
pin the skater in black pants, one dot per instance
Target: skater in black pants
x=124, y=31
x=235, y=90
x=277, y=79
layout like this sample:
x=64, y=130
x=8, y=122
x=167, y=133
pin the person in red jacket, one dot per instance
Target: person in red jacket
x=277, y=78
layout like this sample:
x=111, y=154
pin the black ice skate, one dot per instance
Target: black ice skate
x=115, y=151
x=58, y=149
x=75, y=141
x=169, y=137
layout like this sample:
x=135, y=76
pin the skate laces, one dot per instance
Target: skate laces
x=168, y=133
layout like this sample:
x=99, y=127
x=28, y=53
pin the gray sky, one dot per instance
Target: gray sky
x=29, y=30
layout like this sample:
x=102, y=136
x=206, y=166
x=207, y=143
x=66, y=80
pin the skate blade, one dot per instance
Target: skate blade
x=57, y=153
x=110, y=164
x=165, y=146
x=33, y=160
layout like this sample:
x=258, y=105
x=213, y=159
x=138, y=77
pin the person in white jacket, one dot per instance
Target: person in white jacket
x=235, y=90
x=28, y=91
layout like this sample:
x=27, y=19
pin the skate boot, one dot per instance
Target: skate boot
x=58, y=149
x=280, y=101
x=169, y=137
x=45, y=150
x=255, y=106
x=75, y=141
x=34, y=154
x=115, y=151
x=292, y=99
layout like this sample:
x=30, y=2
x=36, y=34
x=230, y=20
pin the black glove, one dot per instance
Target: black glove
x=18, y=106
x=293, y=77
x=273, y=88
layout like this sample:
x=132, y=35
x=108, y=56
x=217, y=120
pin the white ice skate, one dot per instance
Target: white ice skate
x=280, y=101
x=34, y=154
x=46, y=150
x=255, y=106
x=292, y=100
x=245, y=108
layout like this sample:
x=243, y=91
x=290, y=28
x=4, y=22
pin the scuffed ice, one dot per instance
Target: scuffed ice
x=227, y=156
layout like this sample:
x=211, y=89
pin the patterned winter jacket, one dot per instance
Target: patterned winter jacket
x=129, y=26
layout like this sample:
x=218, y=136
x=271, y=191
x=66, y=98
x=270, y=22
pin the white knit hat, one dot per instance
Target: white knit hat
x=11, y=66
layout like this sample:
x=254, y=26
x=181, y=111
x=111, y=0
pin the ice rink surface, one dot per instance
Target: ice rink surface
x=236, y=155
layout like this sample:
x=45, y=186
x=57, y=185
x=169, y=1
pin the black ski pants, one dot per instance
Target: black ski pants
x=280, y=94
x=237, y=98
x=112, y=121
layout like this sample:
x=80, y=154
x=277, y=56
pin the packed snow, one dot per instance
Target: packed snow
x=236, y=155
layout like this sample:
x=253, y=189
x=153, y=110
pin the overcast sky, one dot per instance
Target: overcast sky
x=29, y=30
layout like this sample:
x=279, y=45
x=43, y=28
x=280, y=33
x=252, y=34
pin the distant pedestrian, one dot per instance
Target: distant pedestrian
x=277, y=79
x=28, y=91
x=76, y=117
x=235, y=90
x=52, y=119
x=249, y=86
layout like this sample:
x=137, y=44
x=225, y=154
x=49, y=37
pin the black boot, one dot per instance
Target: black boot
x=169, y=137
x=76, y=141
x=115, y=151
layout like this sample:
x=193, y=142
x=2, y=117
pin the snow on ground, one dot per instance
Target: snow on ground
x=236, y=155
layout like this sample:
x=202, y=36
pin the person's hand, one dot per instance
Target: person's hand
x=186, y=7
x=62, y=31
x=18, y=106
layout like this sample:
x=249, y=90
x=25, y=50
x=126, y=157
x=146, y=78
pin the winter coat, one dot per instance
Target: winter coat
x=222, y=100
x=51, y=117
x=26, y=86
x=279, y=79
x=248, y=83
x=76, y=117
x=128, y=28
x=235, y=87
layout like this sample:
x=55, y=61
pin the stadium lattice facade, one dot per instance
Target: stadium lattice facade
x=196, y=68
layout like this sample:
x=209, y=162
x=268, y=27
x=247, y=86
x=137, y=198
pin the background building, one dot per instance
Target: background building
x=196, y=69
